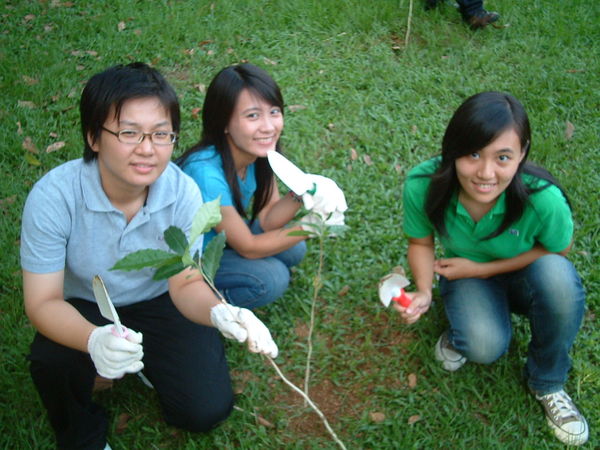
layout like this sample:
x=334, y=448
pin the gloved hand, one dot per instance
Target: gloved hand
x=327, y=198
x=114, y=356
x=242, y=325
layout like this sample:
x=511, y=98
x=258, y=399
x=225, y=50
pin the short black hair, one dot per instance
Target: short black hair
x=112, y=88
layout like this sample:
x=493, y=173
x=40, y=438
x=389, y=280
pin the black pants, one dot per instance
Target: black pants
x=184, y=361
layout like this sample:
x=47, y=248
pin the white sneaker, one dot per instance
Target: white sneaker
x=447, y=354
x=569, y=426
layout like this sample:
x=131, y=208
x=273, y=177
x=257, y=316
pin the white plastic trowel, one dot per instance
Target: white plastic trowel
x=391, y=287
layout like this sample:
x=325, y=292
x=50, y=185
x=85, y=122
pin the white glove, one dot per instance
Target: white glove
x=327, y=198
x=242, y=325
x=114, y=356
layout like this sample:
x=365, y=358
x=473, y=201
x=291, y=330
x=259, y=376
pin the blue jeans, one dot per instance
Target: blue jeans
x=251, y=283
x=548, y=292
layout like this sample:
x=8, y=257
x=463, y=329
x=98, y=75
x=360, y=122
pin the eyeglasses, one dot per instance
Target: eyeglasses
x=136, y=137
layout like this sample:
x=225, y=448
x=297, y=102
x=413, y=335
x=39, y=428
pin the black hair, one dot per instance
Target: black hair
x=112, y=88
x=221, y=97
x=474, y=125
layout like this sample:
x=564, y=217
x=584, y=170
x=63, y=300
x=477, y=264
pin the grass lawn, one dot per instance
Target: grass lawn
x=363, y=108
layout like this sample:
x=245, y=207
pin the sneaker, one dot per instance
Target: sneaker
x=447, y=354
x=569, y=426
x=481, y=19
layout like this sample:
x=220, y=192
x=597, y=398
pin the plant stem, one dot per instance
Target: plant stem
x=410, y=8
x=316, y=288
x=309, y=401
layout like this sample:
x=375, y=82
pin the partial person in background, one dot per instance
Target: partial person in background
x=472, y=12
x=79, y=220
x=506, y=227
x=242, y=120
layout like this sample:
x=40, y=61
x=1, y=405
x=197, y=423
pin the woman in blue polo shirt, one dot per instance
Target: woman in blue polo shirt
x=242, y=119
x=505, y=226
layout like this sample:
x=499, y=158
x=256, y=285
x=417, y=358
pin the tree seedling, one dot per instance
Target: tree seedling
x=171, y=263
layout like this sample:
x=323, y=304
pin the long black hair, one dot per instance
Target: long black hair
x=221, y=97
x=474, y=125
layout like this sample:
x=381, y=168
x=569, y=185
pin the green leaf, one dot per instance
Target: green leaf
x=208, y=215
x=143, y=258
x=301, y=233
x=168, y=270
x=176, y=240
x=211, y=258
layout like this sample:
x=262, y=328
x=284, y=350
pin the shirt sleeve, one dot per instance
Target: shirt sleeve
x=556, y=230
x=211, y=181
x=45, y=229
x=416, y=222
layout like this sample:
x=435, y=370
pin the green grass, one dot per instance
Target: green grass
x=362, y=89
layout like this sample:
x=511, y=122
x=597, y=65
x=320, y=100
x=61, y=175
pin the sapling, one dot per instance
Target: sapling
x=319, y=230
x=168, y=264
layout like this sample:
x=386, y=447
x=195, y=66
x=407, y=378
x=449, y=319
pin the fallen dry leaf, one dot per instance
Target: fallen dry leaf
x=29, y=17
x=122, y=422
x=121, y=26
x=79, y=68
x=56, y=146
x=48, y=28
x=264, y=422
x=353, y=154
x=414, y=419
x=26, y=104
x=331, y=126
x=569, y=129
x=29, y=80
x=412, y=380
x=8, y=200
x=195, y=112
x=137, y=31
x=200, y=87
x=270, y=61
x=413, y=129
x=19, y=128
x=229, y=51
x=52, y=134
x=343, y=291
x=377, y=417
x=294, y=108
x=29, y=145
x=367, y=160
x=301, y=330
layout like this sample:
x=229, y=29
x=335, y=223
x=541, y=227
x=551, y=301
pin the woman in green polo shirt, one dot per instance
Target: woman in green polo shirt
x=505, y=226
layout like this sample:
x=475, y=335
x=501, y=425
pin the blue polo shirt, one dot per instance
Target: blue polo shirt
x=547, y=220
x=69, y=224
x=206, y=168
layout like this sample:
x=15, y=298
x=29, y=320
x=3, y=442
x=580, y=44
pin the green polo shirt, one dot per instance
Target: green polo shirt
x=546, y=220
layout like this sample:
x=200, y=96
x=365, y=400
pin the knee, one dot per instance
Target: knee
x=483, y=345
x=203, y=417
x=556, y=285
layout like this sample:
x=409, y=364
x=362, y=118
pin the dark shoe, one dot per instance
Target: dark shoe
x=481, y=19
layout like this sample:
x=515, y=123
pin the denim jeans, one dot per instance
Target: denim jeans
x=251, y=283
x=548, y=292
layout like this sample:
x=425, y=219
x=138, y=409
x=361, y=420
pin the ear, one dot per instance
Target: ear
x=93, y=143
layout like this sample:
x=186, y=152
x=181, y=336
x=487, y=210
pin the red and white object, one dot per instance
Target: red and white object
x=391, y=288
